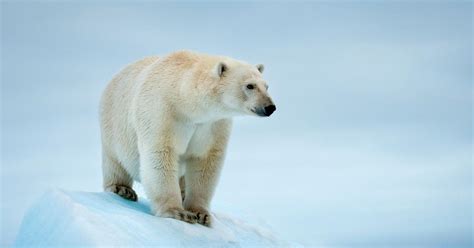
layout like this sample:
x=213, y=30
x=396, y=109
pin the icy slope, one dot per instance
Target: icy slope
x=98, y=219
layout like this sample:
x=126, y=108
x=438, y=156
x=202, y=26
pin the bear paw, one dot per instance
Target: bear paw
x=181, y=214
x=203, y=216
x=124, y=191
x=204, y=219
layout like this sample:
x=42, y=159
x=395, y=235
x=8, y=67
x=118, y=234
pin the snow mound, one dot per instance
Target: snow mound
x=63, y=218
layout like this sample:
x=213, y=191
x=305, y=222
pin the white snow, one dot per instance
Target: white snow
x=64, y=218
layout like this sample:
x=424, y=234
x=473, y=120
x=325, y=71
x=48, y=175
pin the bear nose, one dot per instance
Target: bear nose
x=269, y=109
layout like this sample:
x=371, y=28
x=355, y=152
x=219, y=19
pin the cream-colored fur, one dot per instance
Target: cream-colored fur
x=166, y=122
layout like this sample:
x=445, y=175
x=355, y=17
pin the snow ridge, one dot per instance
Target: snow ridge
x=66, y=218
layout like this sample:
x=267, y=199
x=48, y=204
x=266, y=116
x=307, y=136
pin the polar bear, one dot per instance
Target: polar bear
x=165, y=122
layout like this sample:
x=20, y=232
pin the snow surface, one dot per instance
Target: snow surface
x=64, y=218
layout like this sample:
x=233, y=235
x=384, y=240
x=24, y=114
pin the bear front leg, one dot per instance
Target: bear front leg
x=202, y=174
x=159, y=176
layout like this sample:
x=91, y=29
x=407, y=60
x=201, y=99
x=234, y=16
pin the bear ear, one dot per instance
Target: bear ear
x=221, y=67
x=260, y=68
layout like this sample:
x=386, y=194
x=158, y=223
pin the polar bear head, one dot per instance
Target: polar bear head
x=243, y=90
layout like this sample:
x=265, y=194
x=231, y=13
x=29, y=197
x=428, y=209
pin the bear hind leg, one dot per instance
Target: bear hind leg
x=116, y=179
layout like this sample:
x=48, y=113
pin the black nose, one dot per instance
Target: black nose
x=270, y=109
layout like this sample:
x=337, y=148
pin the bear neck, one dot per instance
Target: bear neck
x=207, y=111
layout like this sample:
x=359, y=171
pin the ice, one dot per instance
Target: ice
x=65, y=218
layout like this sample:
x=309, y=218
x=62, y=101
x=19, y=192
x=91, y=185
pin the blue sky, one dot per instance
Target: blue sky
x=371, y=143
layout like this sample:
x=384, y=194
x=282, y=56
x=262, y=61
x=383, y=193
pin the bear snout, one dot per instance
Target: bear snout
x=268, y=110
x=265, y=111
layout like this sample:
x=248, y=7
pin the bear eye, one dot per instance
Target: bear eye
x=250, y=86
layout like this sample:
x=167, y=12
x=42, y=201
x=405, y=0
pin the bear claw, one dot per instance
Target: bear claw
x=203, y=219
x=182, y=215
x=124, y=191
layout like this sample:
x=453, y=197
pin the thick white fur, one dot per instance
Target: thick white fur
x=163, y=118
